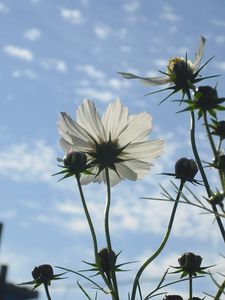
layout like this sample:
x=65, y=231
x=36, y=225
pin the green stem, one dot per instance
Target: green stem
x=215, y=152
x=162, y=245
x=94, y=239
x=190, y=287
x=204, y=178
x=47, y=291
x=115, y=293
x=220, y=291
x=92, y=230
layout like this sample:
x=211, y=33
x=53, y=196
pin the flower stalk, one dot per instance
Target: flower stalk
x=47, y=291
x=115, y=293
x=215, y=151
x=190, y=287
x=201, y=169
x=92, y=230
x=162, y=245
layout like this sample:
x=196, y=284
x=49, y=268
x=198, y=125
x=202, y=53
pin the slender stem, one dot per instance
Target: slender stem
x=190, y=287
x=220, y=291
x=47, y=291
x=215, y=152
x=94, y=239
x=162, y=245
x=203, y=175
x=92, y=230
x=107, y=234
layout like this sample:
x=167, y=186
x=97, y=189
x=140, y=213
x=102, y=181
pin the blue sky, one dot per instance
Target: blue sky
x=53, y=55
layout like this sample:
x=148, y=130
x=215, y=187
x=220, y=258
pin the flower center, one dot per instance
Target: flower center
x=181, y=72
x=107, y=153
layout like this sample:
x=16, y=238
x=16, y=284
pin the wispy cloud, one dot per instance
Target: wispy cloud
x=3, y=8
x=54, y=64
x=27, y=162
x=32, y=34
x=72, y=15
x=218, y=22
x=94, y=94
x=102, y=31
x=131, y=7
x=91, y=71
x=24, y=73
x=168, y=14
x=17, y=52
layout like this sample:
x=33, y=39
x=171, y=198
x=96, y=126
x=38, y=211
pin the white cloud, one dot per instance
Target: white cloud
x=131, y=7
x=72, y=15
x=93, y=94
x=32, y=34
x=28, y=161
x=54, y=64
x=220, y=39
x=18, y=52
x=102, y=31
x=24, y=73
x=3, y=8
x=91, y=71
x=220, y=65
x=218, y=22
x=169, y=15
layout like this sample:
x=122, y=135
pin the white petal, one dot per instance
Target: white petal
x=147, y=80
x=88, y=118
x=125, y=171
x=146, y=151
x=199, y=54
x=115, y=119
x=141, y=168
x=67, y=126
x=138, y=129
x=155, y=80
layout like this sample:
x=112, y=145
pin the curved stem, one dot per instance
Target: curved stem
x=92, y=230
x=107, y=234
x=211, y=141
x=220, y=291
x=190, y=287
x=162, y=245
x=91, y=227
x=215, y=152
x=47, y=291
x=204, y=178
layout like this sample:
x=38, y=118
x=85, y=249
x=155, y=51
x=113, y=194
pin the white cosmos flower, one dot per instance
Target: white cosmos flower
x=185, y=69
x=116, y=141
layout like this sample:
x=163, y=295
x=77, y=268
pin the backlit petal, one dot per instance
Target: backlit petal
x=88, y=118
x=115, y=119
x=199, y=54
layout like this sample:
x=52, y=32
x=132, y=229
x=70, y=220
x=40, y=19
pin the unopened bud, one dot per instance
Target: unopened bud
x=172, y=297
x=75, y=161
x=186, y=169
x=206, y=98
x=43, y=273
x=106, y=261
x=190, y=262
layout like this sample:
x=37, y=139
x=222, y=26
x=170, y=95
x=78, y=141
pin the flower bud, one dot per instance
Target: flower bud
x=105, y=260
x=219, y=129
x=219, y=162
x=43, y=273
x=75, y=161
x=186, y=169
x=206, y=98
x=172, y=297
x=190, y=263
x=217, y=199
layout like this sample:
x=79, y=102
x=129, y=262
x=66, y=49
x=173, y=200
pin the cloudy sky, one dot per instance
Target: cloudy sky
x=53, y=55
